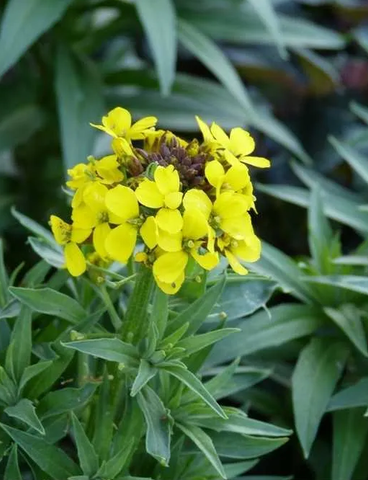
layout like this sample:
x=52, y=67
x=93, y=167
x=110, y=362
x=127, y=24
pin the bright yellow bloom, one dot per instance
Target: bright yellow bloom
x=80, y=174
x=163, y=193
x=118, y=123
x=248, y=250
x=69, y=236
x=236, y=147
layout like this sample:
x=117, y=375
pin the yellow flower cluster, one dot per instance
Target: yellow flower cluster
x=180, y=200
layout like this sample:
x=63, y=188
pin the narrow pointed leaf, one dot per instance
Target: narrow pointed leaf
x=355, y=283
x=198, y=342
x=31, y=371
x=4, y=281
x=12, y=471
x=34, y=227
x=160, y=312
x=53, y=255
x=360, y=111
x=88, y=458
x=19, y=358
x=205, y=444
x=159, y=21
x=357, y=161
x=116, y=464
x=350, y=397
x=321, y=362
x=145, y=372
x=25, y=411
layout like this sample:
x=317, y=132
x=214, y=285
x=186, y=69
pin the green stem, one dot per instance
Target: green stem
x=135, y=320
x=115, y=319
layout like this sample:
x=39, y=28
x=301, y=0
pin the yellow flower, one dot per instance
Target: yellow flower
x=236, y=147
x=108, y=170
x=69, y=236
x=80, y=174
x=248, y=250
x=118, y=123
x=184, y=244
x=235, y=178
x=163, y=193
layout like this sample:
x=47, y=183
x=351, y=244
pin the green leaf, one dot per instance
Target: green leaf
x=50, y=459
x=32, y=371
x=357, y=161
x=34, y=227
x=160, y=312
x=25, y=411
x=234, y=445
x=360, y=111
x=19, y=358
x=215, y=60
x=145, y=372
x=234, y=469
x=350, y=397
x=104, y=419
x=11, y=310
x=205, y=444
x=50, y=302
x=12, y=471
x=321, y=362
x=65, y=400
x=23, y=24
x=349, y=433
x=4, y=295
x=87, y=456
x=196, y=343
x=53, y=255
x=19, y=124
x=111, y=349
x=158, y=435
x=269, y=17
x=355, y=283
x=79, y=97
x=264, y=330
x=36, y=275
x=348, y=318
x=191, y=381
x=198, y=311
x=115, y=465
x=159, y=22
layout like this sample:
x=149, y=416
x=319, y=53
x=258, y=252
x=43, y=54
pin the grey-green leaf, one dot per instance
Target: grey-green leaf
x=196, y=343
x=19, y=358
x=112, y=467
x=22, y=24
x=50, y=302
x=357, y=161
x=350, y=429
x=205, y=444
x=53, y=255
x=350, y=397
x=31, y=371
x=158, y=435
x=12, y=471
x=88, y=458
x=52, y=460
x=25, y=411
x=145, y=372
x=159, y=21
x=321, y=362
x=34, y=227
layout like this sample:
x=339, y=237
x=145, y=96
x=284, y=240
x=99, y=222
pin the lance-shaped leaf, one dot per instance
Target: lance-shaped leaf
x=31, y=371
x=53, y=255
x=52, y=460
x=198, y=342
x=12, y=471
x=357, y=161
x=88, y=458
x=4, y=281
x=19, y=352
x=112, y=467
x=321, y=362
x=50, y=302
x=111, y=349
x=146, y=371
x=160, y=312
x=158, y=435
x=205, y=444
x=25, y=411
x=34, y=227
x=350, y=397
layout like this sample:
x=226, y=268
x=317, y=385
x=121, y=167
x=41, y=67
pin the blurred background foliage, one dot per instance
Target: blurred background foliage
x=295, y=72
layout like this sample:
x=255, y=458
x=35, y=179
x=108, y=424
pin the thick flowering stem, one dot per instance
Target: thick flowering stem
x=135, y=319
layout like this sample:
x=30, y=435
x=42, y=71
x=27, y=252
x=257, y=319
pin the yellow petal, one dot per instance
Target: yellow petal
x=108, y=169
x=78, y=196
x=149, y=195
x=248, y=250
x=241, y=142
x=83, y=217
x=198, y=200
x=121, y=201
x=118, y=121
x=94, y=196
x=238, y=227
x=169, y=242
x=259, y=162
x=173, y=200
x=220, y=135
x=148, y=232
x=78, y=235
x=74, y=259
x=100, y=234
x=169, y=220
x=170, y=266
x=60, y=229
x=195, y=225
x=229, y=204
x=237, y=177
x=235, y=264
x=120, y=242
x=104, y=129
x=204, y=128
x=137, y=131
x=231, y=158
x=121, y=147
x=208, y=261
x=215, y=172
x=173, y=287
x=211, y=239
x=167, y=179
